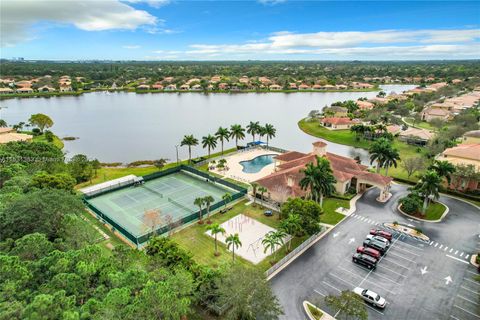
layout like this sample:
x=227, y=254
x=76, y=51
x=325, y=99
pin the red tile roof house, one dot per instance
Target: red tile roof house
x=364, y=105
x=338, y=123
x=157, y=86
x=275, y=87
x=284, y=182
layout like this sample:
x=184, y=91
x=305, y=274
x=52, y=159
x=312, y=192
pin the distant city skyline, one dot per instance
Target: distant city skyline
x=239, y=30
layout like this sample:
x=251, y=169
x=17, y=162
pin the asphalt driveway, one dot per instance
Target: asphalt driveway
x=419, y=280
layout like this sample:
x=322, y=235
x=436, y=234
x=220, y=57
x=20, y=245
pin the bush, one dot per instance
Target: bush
x=418, y=230
x=477, y=259
x=36, y=132
x=411, y=204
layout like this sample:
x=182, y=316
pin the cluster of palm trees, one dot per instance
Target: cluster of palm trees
x=203, y=201
x=318, y=180
x=386, y=156
x=222, y=135
x=374, y=131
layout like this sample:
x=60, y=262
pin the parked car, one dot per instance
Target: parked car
x=378, y=238
x=268, y=213
x=363, y=259
x=377, y=245
x=371, y=297
x=381, y=233
x=369, y=251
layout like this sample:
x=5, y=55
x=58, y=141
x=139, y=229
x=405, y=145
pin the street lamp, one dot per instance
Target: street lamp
x=176, y=148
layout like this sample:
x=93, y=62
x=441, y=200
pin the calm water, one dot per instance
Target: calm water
x=127, y=126
x=257, y=163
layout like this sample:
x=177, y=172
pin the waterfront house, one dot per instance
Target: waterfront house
x=46, y=89
x=143, y=87
x=223, y=86
x=304, y=87
x=335, y=112
x=157, y=86
x=361, y=85
x=171, y=87
x=349, y=174
x=215, y=79
x=6, y=91
x=275, y=87
x=364, y=105
x=292, y=86
x=416, y=136
x=185, y=87
x=336, y=123
x=64, y=87
x=197, y=87
x=25, y=90
x=244, y=80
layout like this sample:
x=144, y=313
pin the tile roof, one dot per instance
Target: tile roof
x=467, y=151
x=289, y=156
x=336, y=120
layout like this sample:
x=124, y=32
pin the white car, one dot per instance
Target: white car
x=371, y=297
x=381, y=239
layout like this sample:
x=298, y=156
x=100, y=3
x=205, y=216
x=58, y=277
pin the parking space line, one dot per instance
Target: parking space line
x=463, y=298
x=466, y=257
x=414, y=247
x=377, y=274
x=454, y=317
x=430, y=243
x=473, y=314
x=456, y=252
x=436, y=244
x=319, y=293
x=455, y=258
x=461, y=254
x=441, y=246
x=354, y=273
x=371, y=308
x=451, y=250
x=383, y=267
x=349, y=283
x=470, y=290
x=335, y=288
x=445, y=249
x=469, y=280
x=475, y=273
x=402, y=257
x=408, y=251
x=391, y=261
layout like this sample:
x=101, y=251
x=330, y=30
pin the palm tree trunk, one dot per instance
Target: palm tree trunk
x=425, y=205
x=189, y=154
x=233, y=253
x=209, y=151
x=222, y=147
x=236, y=142
x=378, y=166
x=216, y=251
x=321, y=200
x=386, y=170
x=267, y=141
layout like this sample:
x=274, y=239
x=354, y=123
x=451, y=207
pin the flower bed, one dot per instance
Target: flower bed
x=412, y=232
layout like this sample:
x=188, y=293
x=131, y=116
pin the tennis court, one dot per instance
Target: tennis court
x=173, y=195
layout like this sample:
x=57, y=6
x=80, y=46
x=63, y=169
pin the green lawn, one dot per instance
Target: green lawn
x=329, y=215
x=434, y=211
x=57, y=142
x=421, y=124
x=346, y=137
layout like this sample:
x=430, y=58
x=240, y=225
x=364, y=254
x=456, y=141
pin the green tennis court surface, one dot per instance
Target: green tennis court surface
x=172, y=194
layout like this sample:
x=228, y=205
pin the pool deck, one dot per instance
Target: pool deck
x=235, y=168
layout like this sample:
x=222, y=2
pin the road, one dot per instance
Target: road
x=420, y=281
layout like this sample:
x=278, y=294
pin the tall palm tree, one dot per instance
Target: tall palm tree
x=325, y=181
x=3, y=123
x=262, y=190
x=378, y=152
x=291, y=225
x=429, y=186
x=390, y=159
x=222, y=134
x=214, y=230
x=227, y=197
x=209, y=142
x=207, y=201
x=254, y=191
x=199, y=203
x=444, y=169
x=233, y=241
x=272, y=240
x=270, y=132
x=308, y=181
x=189, y=140
x=253, y=128
x=237, y=132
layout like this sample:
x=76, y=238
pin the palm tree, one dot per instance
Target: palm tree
x=270, y=131
x=428, y=186
x=214, y=230
x=237, y=132
x=233, y=241
x=272, y=240
x=262, y=190
x=378, y=152
x=253, y=128
x=199, y=202
x=189, y=140
x=291, y=225
x=390, y=158
x=3, y=123
x=227, y=197
x=222, y=134
x=209, y=142
x=325, y=181
x=308, y=181
x=254, y=191
x=208, y=200
x=444, y=169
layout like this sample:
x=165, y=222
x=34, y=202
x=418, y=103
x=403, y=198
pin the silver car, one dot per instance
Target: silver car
x=371, y=297
x=381, y=239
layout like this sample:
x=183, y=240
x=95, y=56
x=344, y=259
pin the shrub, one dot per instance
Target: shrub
x=395, y=223
x=477, y=259
x=418, y=230
x=36, y=132
x=411, y=204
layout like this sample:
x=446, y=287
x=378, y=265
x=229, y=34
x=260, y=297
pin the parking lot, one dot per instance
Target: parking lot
x=419, y=280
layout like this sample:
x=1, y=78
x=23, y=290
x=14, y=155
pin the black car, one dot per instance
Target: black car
x=377, y=245
x=363, y=259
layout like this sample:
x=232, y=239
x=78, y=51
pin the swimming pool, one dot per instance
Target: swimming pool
x=256, y=164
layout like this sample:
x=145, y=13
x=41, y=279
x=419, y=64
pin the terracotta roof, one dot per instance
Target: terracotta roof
x=289, y=156
x=467, y=151
x=418, y=133
x=337, y=121
x=437, y=112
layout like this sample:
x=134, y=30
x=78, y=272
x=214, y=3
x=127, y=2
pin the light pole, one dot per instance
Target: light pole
x=176, y=148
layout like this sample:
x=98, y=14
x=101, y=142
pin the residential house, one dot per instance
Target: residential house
x=275, y=87
x=416, y=136
x=25, y=90
x=168, y=80
x=341, y=87
x=361, y=85
x=23, y=84
x=265, y=81
x=471, y=137
x=6, y=91
x=336, y=123
x=197, y=87
x=464, y=155
x=364, y=105
x=431, y=113
x=223, y=86
x=244, y=80
x=304, y=87
x=143, y=87
x=171, y=87
x=335, y=112
x=157, y=86
x=193, y=80
x=457, y=81
x=10, y=135
x=289, y=166
x=185, y=87
x=292, y=86
x=46, y=89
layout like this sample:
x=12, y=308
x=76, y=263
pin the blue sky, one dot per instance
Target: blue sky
x=239, y=30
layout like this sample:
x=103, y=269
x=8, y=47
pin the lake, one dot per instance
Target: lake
x=124, y=127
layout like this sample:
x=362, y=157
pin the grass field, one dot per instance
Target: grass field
x=346, y=137
x=434, y=211
x=329, y=215
x=421, y=124
x=57, y=142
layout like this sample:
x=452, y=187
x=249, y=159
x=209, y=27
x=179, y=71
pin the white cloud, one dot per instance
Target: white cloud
x=18, y=16
x=151, y=3
x=131, y=47
x=382, y=44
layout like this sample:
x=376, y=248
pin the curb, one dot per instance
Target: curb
x=407, y=234
x=473, y=258
x=447, y=209
x=325, y=316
